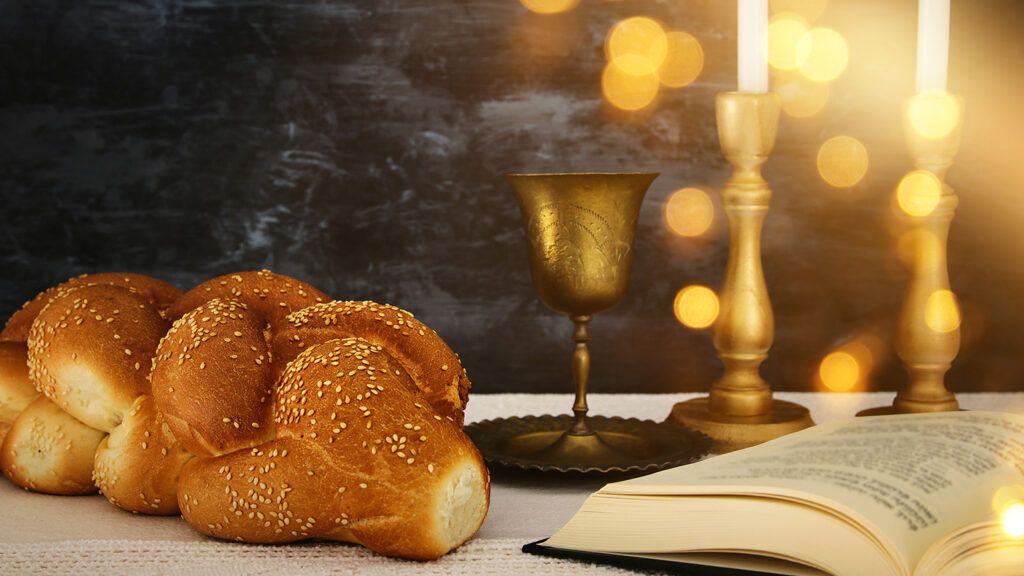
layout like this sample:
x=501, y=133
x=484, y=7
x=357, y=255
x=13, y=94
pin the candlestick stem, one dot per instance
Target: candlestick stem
x=740, y=410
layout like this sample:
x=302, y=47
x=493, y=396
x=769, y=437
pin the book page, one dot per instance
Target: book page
x=759, y=531
x=909, y=479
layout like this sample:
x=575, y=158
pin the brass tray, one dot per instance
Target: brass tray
x=639, y=445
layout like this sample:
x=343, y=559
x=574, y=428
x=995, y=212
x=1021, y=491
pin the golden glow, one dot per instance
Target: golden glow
x=1013, y=520
x=839, y=371
x=934, y=114
x=842, y=161
x=848, y=367
x=550, y=6
x=689, y=212
x=642, y=40
x=1007, y=496
x=784, y=35
x=683, y=62
x=801, y=98
x=1008, y=502
x=628, y=90
x=823, y=54
x=913, y=243
x=809, y=9
x=696, y=306
x=919, y=193
x=941, y=312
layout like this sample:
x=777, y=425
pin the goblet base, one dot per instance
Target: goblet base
x=542, y=443
x=731, y=433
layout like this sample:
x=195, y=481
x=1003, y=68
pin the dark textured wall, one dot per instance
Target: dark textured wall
x=359, y=144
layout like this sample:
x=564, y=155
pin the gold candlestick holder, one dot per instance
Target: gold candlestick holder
x=740, y=411
x=929, y=328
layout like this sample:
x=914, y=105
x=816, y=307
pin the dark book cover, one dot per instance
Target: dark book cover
x=637, y=563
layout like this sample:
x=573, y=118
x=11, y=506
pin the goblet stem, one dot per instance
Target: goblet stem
x=580, y=374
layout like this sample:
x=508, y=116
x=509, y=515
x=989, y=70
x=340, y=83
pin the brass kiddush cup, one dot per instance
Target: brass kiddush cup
x=580, y=230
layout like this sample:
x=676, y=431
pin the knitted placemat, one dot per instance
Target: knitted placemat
x=137, y=558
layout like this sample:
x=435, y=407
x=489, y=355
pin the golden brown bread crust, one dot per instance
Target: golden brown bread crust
x=138, y=464
x=359, y=440
x=361, y=456
x=272, y=296
x=212, y=379
x=47, y=450
x=16, y=390
x=90, y=350
x=156, y=292
x=433, y=366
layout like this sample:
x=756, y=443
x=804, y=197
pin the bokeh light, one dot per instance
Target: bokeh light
x=1013, y=520
x=809, y=9
x=801, y=98
x=689, y=212
x=919, y=193
x=848, y=367
x=626, y=89
x=684, y=60
x=941, y=312
x=784, y=35
x=842, y=161
x=640, y=42
x=696, y=306
x=1007, y=496
x=839, y=371
x=934, y=114
x=550, y=6
x=823, y=54
x=1008, y=502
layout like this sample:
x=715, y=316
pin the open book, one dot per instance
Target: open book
x=900, y=495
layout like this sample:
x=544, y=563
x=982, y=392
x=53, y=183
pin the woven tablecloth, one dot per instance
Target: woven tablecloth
x=42, y=534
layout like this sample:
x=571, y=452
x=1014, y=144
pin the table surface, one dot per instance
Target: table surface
x=54, y=534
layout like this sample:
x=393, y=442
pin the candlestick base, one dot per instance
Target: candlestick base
x=877, y=411
x=731, y=433
x=944, y=403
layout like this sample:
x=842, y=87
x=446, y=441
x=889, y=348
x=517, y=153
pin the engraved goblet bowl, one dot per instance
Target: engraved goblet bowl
x=580, y=230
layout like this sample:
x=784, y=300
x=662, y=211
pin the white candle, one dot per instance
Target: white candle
x=752, y=41
x=932, y=44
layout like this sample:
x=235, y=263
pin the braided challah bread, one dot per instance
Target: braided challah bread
x=266, y=412
x=218, y=354
x=90, y=343
x=433, y=366
x=359, y=456
x=339, y=421
x=16, y=389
